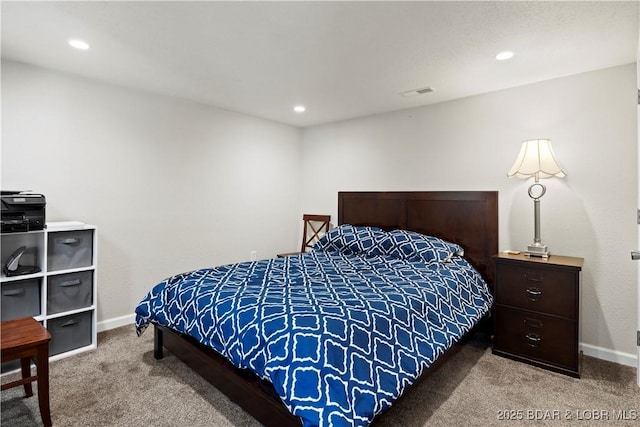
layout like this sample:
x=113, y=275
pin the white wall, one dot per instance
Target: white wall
x=470, y=144
x=170, y=184
x=174, y=185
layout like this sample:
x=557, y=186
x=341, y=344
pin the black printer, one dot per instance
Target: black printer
x=22, y=211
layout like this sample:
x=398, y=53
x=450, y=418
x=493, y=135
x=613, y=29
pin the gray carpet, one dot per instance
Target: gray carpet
x=121, y=384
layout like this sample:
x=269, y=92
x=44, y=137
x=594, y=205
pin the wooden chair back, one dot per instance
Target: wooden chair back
x=314, y=228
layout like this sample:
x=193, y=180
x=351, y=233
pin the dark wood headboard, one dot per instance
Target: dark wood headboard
x=468, y=218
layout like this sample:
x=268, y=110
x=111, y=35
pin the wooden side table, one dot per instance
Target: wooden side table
x=24, y=339
x=537, y=311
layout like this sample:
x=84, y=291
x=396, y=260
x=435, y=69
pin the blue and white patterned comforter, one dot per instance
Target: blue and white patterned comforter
x=340, y=336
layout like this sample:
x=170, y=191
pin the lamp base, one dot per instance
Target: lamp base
x=538, y=250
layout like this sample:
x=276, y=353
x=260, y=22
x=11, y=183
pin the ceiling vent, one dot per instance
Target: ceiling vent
x=421, y=91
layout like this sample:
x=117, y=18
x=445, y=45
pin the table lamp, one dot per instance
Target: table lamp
x=536, y=160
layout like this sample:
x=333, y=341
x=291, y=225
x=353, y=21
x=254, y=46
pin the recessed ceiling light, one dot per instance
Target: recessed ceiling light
x=78, y=44
x=504, y=55
x=299, y=108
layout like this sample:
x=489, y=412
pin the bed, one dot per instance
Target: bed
x=335, y=336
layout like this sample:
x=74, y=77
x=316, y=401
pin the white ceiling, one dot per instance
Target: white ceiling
x=340, y=59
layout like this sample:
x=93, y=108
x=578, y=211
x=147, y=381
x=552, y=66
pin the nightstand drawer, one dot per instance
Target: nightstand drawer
x=537, y=336
x=539, y=289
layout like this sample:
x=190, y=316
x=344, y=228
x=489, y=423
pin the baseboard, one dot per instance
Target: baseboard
x=620, y=357
x=105, y=325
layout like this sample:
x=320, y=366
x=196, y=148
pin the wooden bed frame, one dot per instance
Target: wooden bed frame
x=469, y=218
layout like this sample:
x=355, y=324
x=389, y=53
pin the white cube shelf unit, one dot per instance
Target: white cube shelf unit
x=63, y=294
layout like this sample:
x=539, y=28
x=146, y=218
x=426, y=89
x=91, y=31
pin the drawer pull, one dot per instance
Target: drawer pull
x=68, y=241
x=69, y=283
x=534, y=294
x=13, y=292
x=533, y=340
x=534, y=323
x=533, y=277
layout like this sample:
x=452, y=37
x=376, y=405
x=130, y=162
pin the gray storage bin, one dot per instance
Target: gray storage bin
x=11, y=365
x=69, y=291
x=20, y=299
x=70, y=249
x=69, y=332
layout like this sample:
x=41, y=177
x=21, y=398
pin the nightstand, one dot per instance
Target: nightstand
x=537, y=311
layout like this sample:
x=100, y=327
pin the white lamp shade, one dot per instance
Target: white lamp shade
x=536, y=160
